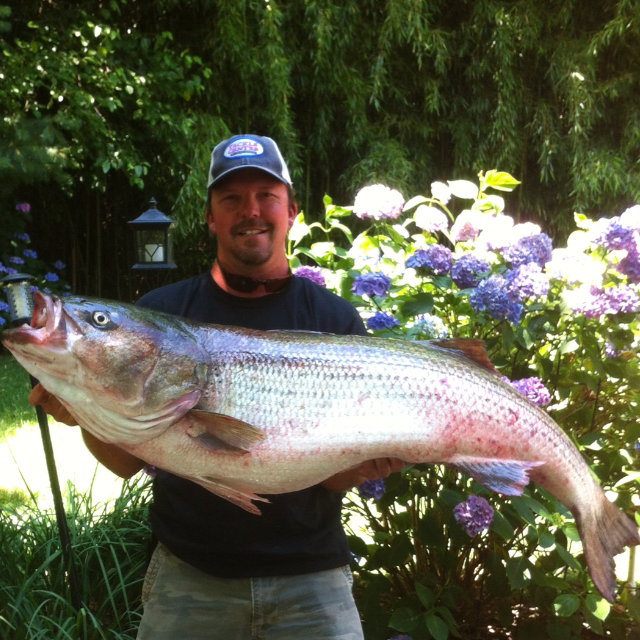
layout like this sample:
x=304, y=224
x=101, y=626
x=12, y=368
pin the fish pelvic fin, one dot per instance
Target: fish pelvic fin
x=508, y=477
x=471, y=348
x=216, y=431
x=237, y=496
x=605, y=531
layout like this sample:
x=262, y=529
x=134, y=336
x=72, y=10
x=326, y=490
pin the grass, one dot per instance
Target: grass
x=14, y=406
x=110, y=545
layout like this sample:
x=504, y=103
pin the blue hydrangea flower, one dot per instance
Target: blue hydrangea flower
x=474, y=515
x=9, y=271
x=2, y=321
x=29, y=253
x=25, y=207
x=22, y=236
x=16, y=260
x=432, y=326
x=492, y=295
x=435, y=257
x=371, y=284
x=536, y=249
x=311, y=273
x=382, y=321
x=465, y=271
x=4, y=306
x=51, y=277
x=610, y=351
x=34, y=288
x=534, y=389
x=3, y=269
x=58, y=264
x=372, y=489
x=526, y=281
x=617, y=236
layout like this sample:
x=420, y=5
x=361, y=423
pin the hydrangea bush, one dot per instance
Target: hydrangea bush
x=18, y=256
x=434, y=553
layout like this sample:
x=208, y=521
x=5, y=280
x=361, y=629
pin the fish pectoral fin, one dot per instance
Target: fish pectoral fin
x=216, y=431
x=236, y=495
x=508, y=477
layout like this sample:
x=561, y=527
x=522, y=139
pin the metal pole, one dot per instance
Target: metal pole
x=61, y=516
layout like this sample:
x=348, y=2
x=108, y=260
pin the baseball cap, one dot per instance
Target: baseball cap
x=247, y=151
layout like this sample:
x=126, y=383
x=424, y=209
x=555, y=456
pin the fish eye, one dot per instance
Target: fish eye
x=101, y=319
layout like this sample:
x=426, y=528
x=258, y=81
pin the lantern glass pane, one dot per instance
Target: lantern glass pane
x=151, y=246
x=20, y=300
x=170, y=244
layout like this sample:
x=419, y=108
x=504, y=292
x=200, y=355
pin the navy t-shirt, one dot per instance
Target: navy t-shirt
x=297, y=532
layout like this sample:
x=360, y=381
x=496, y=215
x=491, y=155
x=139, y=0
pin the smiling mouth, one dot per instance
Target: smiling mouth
x=251, y=232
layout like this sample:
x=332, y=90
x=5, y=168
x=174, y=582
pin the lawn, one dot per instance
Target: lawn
x=14, y=391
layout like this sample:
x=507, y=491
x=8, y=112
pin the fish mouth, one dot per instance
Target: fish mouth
x=50, y=326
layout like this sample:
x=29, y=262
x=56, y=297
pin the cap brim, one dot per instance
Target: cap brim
x=246, y=166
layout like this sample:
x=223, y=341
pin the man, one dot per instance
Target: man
x=218, y=571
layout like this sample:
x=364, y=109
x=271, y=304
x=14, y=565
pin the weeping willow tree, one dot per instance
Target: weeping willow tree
x=355, y=91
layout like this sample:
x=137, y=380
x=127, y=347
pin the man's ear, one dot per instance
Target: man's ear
x=210, y=222
x=293, y=212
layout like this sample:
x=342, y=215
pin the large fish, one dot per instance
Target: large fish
x=245, y=412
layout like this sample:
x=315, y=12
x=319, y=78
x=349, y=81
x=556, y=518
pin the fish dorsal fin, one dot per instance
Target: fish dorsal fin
x=217, y=431
x=471, y=348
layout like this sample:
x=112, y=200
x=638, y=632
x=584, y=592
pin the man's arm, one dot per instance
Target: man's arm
x=369, y=470
x=111, y=456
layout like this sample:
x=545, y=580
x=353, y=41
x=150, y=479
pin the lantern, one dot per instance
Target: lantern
x=19, y=297
x=154, y=239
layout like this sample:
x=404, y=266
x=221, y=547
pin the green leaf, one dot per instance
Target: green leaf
x=502, y=526
x=567, y=558
x=358, y=546
x=582, y=222
x=322, y=249
x=633, y=606
x=598, y=606
x=401, y=548
x=517, y=569
x=463, y=189
x=414, y=202
x=438, y=628
x=558, y=630
x=500, y=180
x=422, y=303
x=404, y=619
x=426, y=596
x=566, y=604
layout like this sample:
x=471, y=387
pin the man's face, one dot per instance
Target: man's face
x=251, y=216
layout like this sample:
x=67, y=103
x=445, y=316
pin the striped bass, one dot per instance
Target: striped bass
x=243, y=412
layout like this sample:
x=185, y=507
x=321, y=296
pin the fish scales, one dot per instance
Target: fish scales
x=242, y=412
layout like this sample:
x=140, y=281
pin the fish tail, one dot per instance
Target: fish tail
x=605, y=531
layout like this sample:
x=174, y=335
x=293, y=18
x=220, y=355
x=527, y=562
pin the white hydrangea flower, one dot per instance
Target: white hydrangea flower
x=631, y=218
x=576, y=268
x=433, y=326
x=440, y=191
x=468, y=226
x=378, y=202
x=496, y=233
x=431, y=219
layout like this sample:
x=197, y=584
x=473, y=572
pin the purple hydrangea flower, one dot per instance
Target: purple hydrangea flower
x=435, y=257
x=465, y=271
x=22, y=236
x=2, y=320
x=58, y=264
x=616, y=236
x=34, y=288
x=536, y=249
x=526, y=281
x=430, y=219
x=9, y=271
x=382, y=321
x=16, y=260
x=51, y=277
x=311, y=273
x=474, y=515
x=378, y=202
x=25, y=207
x=492, y=295
x=3, y=269
x=47, y=290
x=594, y=302
x=610, y=351
x=534, y=389
x=372, y=489
x=630, y=265
x=29, y=253
x=4, y=306
x=371, y=284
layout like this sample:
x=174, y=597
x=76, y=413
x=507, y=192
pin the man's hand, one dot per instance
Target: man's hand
x=369, y=470
x=51, y=405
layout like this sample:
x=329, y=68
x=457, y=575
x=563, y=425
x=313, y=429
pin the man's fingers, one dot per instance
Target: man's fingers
x=51, y=405
x=381, y=467
x=38, y=395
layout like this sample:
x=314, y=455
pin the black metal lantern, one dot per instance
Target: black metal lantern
x=19, y=297
x=154, y=239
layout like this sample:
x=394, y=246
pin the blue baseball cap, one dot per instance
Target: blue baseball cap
x=247, y=151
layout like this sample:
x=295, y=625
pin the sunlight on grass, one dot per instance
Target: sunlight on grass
x=14, y=391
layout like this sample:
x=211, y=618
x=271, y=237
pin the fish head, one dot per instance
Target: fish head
x=127, y=359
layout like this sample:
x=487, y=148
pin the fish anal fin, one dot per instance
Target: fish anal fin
x=217, y=431
x=237, y=496
x=508, y=477
x=472, y=348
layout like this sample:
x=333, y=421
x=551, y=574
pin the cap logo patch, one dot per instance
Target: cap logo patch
x=243, y=148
